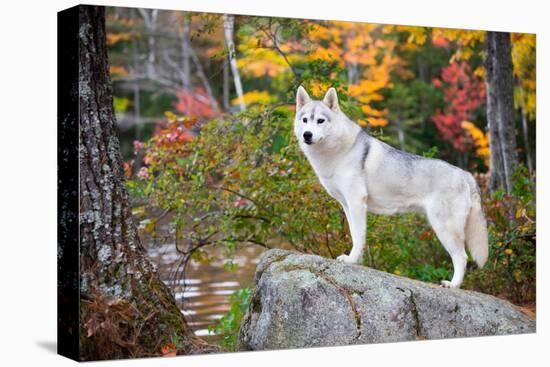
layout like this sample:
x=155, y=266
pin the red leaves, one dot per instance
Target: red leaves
x=194, y=103
x=168, y=143
x=464, y=93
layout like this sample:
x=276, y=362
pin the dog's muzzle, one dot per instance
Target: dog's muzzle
x=307, y=137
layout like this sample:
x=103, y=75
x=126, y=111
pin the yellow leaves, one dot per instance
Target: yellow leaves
x=331, y=54
x=517, y=275
x=465, y=39
x=319, y=32
x=259, y=59
x=508, y=251
x=261, y=62
x=479, y=72
x=363, y=123
x=170, y=116
x=255, y=96
x=317, y=88
x=365, y=90
x=417, y=35
x=524, y=67
x=480, y=139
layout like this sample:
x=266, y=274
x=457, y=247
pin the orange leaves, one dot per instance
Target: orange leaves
x=369, y=111
x=375, y=118
x=366, y=90
x=117, y=71
x=358, y=47
x=377, y=122
x=168, y=350
x=113, y=38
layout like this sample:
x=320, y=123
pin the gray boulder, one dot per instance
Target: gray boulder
x=309, y=301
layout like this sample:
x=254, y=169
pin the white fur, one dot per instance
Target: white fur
x=383, y=180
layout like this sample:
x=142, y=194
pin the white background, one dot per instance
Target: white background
x=28, y=181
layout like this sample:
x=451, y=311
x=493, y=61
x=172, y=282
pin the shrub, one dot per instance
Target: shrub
x=229, y=324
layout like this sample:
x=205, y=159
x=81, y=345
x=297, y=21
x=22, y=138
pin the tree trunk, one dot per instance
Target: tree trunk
x=496, y=171
x=228, y=24
x=126, y=310
x=500, y=110
x=136, y=90
x=150, y=21
x=226, y=84
x=525, y=130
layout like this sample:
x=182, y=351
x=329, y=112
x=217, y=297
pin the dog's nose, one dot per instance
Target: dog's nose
x=307, y=136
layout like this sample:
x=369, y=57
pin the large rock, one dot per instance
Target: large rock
x=309, y=301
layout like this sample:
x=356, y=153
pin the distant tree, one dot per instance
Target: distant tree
x=126, y=310
x=228, y=26
x=500, y=109
x=525, y=77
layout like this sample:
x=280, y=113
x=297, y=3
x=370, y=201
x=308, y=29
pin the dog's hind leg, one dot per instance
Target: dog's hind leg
x=449, y=228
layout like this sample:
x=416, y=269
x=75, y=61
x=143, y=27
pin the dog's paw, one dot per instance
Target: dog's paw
x=346, y=259
x=448, y=284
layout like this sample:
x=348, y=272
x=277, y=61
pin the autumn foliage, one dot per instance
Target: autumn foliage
x=464, y=93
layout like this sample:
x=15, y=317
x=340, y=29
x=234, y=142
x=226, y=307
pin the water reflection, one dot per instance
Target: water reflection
x=203, y=296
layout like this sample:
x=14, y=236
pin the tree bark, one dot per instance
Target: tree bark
x=525, y=130
x=126, y=310
x=228, y=25
x=500, y=110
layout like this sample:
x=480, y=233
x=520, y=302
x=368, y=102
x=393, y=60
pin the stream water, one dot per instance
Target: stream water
x=203, y=296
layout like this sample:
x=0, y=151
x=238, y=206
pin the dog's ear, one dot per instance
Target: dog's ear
x=331, y=100
x=301, y=98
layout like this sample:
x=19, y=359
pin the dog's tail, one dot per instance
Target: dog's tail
x=476, y=226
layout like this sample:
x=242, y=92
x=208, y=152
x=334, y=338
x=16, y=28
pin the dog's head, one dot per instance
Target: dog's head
x=317, y=121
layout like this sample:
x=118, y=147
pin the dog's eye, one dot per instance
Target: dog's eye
x=320, y=121
x=304, y=119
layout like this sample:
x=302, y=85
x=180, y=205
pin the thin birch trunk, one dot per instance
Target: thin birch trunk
x=228, y=25
x=525, y=129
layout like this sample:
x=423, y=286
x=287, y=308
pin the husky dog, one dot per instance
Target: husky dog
x=365, y=174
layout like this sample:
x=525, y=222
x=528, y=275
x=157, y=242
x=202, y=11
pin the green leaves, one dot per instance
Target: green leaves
x=228, y=325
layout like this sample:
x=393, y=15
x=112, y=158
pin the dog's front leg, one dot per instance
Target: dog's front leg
x=356, y=214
